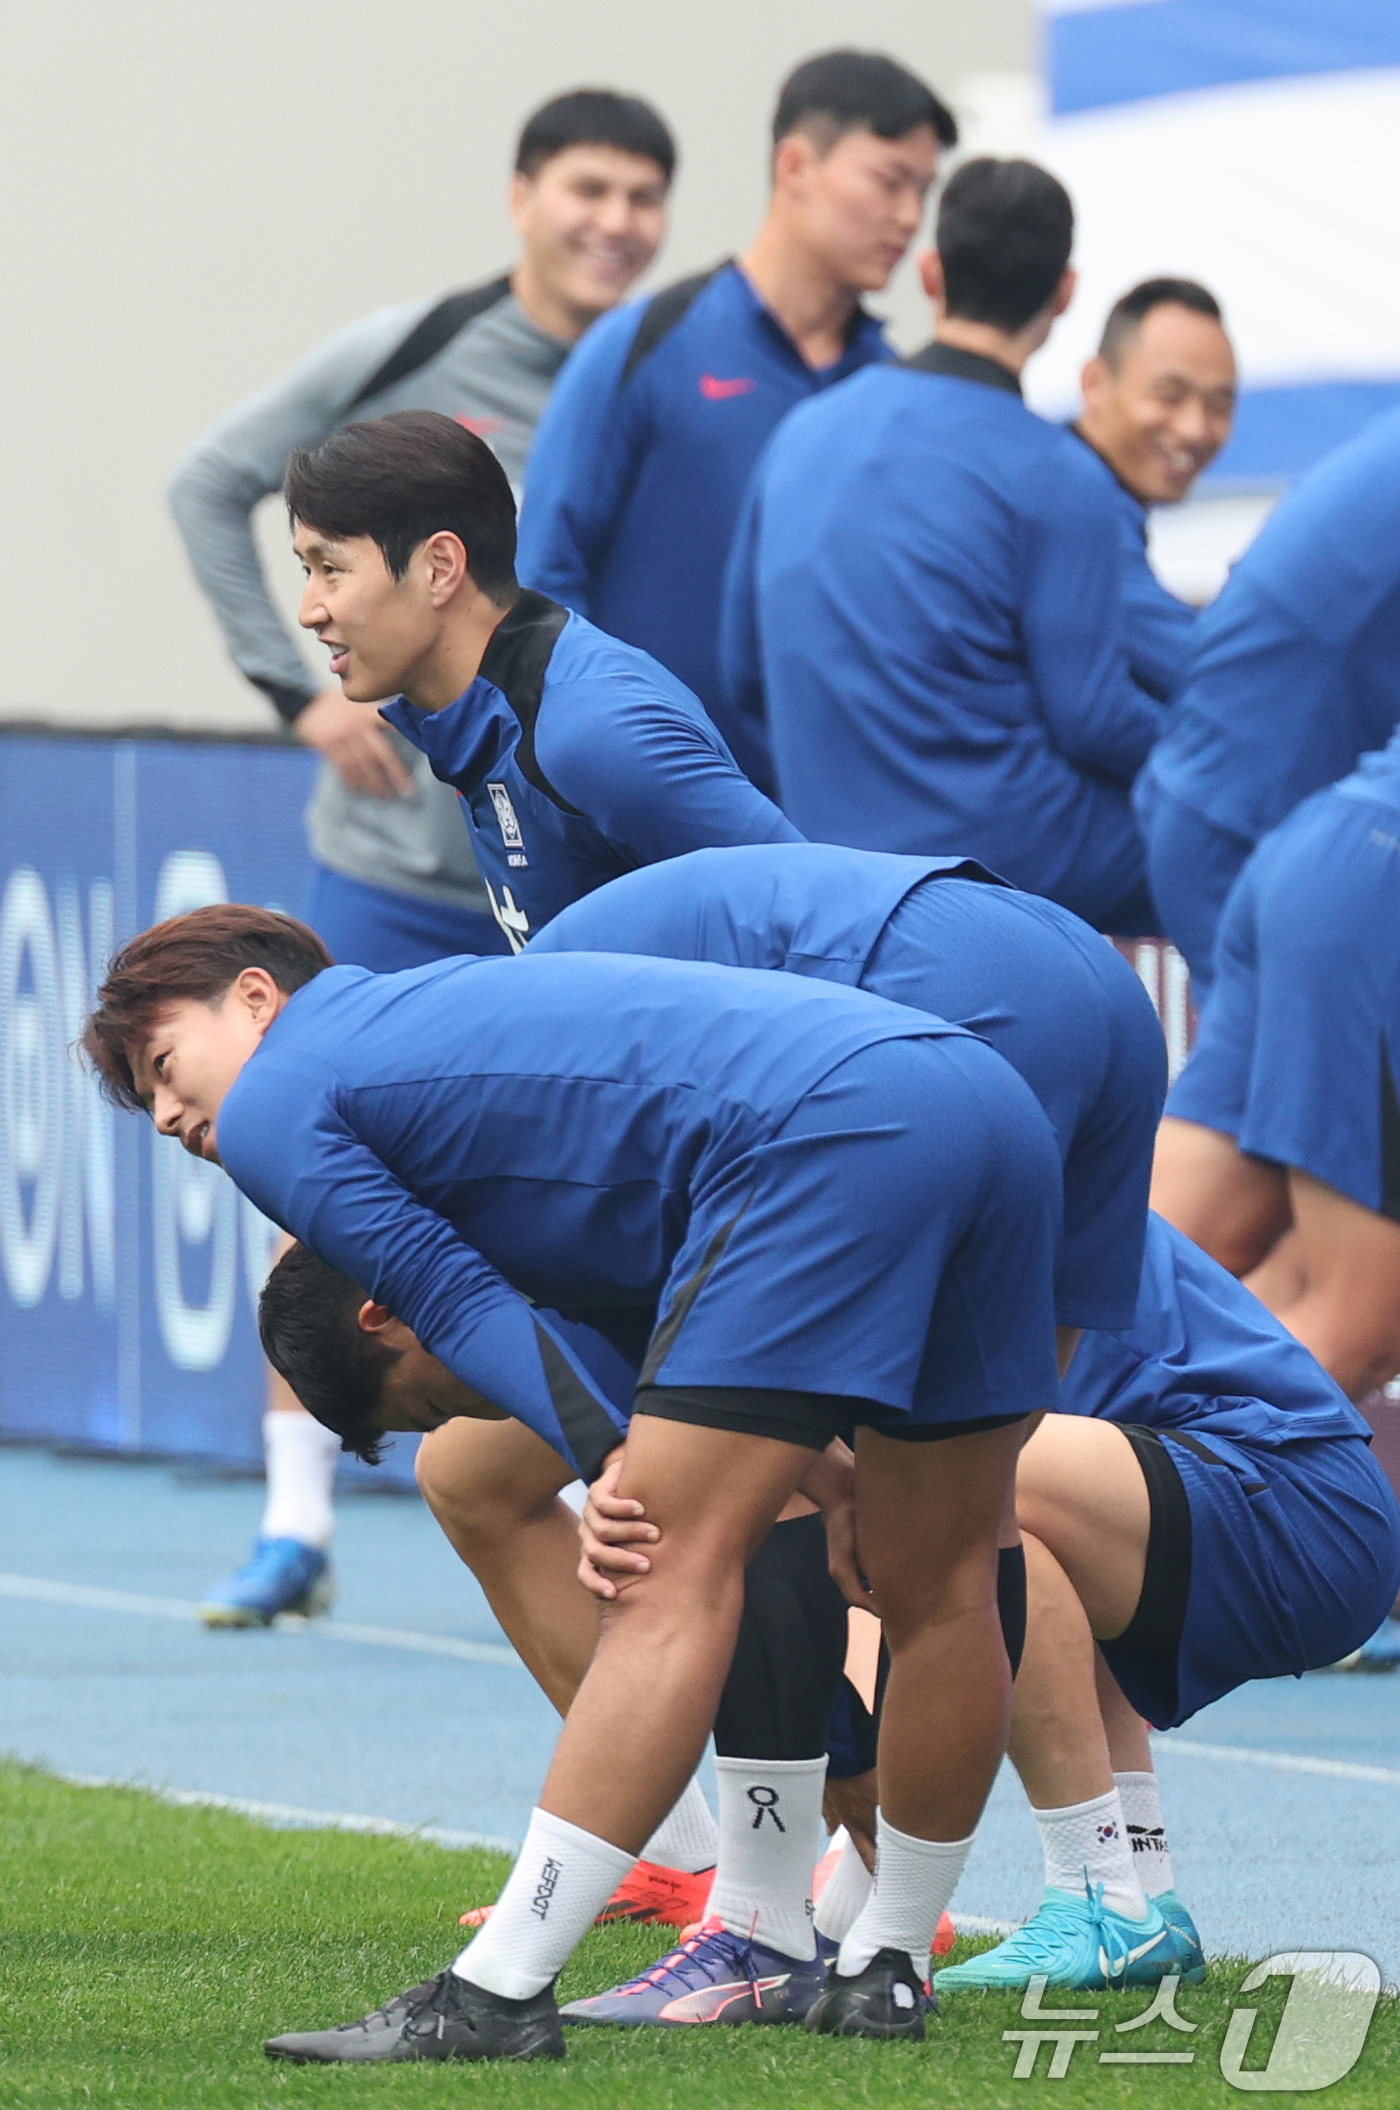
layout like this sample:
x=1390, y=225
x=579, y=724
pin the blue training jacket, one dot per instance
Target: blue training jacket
x=1295, y=669
x=641, y=460
x=928, y=578
x=1159, y=627
x=461, y=1138
x=578, y=759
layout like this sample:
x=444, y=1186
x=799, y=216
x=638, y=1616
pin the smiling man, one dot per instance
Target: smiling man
x=648, y=443
x=393, y=878
x=577, y=757
x=1159, y=401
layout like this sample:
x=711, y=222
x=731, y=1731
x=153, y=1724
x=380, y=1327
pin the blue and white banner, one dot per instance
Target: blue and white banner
x=129, y=1272
x=1254, y=145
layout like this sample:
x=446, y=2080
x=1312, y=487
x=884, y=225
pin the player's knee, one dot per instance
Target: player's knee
x=917, y=1598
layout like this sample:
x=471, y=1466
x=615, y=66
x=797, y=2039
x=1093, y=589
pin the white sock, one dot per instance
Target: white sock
x=300, y=1456
x=770, y=1830
x=1087, y=1842
x=848, y=1887
x=688, y=1838
x=1147, y=1834
x=555, y=1891
x=914, y=1881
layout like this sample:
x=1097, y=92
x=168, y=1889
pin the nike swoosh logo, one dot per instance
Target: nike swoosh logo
x=1115, y=1970
x=717, y=391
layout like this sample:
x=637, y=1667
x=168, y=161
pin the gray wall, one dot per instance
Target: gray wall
x=196, y=190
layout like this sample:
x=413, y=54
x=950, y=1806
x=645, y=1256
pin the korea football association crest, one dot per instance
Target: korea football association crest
x=509, y=824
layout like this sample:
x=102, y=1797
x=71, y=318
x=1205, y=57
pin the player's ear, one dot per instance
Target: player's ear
x=444, y=559
x=1064, y=292
x=931, y=275
x=374, y=1318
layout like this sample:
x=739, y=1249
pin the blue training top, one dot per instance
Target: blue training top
x=641, y=460
x=1159, y=627
x=1295, y=670
x=806, y=908
x=930, y=576
x=463, y=1137
x=578, y=759
x=940, y=935
x=1203, y=1354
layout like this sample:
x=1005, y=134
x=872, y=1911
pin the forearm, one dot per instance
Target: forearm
x=1358, y=1348
x=213, y=508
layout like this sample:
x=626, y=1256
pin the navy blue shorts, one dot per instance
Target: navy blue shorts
x=1191, y=866
x=893, y=1244
x=1290, y=1559
x=1067, y=1011
x=1299, y=1047
x=385, y=931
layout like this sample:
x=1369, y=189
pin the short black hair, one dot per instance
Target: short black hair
x=1005, y=231
x=859, y=91
x=402, y=478
x=311, y=1335
x=595, y=117
x=1125, y=315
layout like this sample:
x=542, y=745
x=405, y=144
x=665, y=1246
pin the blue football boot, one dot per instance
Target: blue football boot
x=282, y=1576
x=714, y=1976
x=1077, y=1942
x=1193, y=1964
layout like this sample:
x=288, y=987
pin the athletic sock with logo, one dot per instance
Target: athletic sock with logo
x=770, y=1829
x=300, y=1458
x=1147, y=1834
x=914, y=1882
x=1087, y=1842
x=558, y=1886
x=847, y=1890
x=688, y=1838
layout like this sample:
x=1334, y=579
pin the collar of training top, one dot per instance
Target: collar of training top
x=965, y=366
x=515, y=662
x=1099, y=456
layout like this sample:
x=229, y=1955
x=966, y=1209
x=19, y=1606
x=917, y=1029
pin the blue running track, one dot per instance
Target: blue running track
x=407, y=1709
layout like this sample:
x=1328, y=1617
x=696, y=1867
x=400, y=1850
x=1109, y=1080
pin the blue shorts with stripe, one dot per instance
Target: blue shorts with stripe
x=1290, y=1559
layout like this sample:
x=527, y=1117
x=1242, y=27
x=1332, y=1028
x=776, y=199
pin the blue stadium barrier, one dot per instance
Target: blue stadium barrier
x=129, y=1272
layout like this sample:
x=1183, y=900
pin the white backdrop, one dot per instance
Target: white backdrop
x=195, y=193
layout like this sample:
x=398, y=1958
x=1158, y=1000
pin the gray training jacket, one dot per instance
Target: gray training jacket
x=495, y=374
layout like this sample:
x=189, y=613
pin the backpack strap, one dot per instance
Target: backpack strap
x=664, y=310
x=431, y=334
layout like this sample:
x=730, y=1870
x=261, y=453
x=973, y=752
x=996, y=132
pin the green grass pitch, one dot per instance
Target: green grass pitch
x=145, y=1952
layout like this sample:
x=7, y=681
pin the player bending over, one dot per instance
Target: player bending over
x=831, y=1209
x=1205, y=1508
x=936, y=934
x=1280, y=1153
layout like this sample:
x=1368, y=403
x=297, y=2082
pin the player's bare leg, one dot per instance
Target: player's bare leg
x=494, y=1487
x=1085, y=1517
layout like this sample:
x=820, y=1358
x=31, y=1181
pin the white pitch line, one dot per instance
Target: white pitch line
x=290, y=1815
x=1279, y=1761
x=88, y=1597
